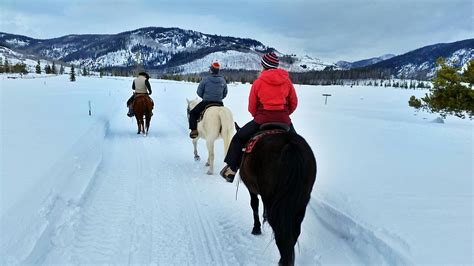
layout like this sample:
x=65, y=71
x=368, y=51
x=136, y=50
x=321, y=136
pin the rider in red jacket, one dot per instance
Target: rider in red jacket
x=272, y=99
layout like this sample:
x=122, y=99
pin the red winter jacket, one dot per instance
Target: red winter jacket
x=272, y=97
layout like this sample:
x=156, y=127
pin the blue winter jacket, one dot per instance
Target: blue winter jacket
x=212, y=88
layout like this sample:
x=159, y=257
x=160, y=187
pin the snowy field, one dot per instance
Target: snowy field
x=393, y=187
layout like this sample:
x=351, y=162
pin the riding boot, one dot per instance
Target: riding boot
x=193, y=134
x=228, y=174
x=130, y=111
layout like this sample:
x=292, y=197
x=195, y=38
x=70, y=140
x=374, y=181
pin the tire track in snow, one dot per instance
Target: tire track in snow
x=102, y=230
x=193, y=239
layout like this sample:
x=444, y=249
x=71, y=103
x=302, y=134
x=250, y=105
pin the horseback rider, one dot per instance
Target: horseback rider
x=272, y=99
x=212, y=89
x=140, y=85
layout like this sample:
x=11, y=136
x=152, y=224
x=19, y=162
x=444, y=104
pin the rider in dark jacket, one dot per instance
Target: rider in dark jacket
x=212, y=89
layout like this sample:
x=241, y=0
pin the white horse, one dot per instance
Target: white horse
x=217, y=122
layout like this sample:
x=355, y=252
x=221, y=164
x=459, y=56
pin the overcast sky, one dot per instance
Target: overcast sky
x=331, y=30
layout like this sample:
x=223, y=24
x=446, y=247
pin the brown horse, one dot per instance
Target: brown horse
x=281, y=169
x=142, y=107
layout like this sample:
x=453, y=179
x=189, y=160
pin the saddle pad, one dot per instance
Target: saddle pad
x=208, y=106
x=251, y=143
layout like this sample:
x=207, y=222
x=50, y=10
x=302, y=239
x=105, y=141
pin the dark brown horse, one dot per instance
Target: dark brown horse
x=142, y=107
x=281, y=169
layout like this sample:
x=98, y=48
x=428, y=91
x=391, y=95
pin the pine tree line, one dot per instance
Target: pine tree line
x=49, y=69
x=6, y=67
x=248, y=76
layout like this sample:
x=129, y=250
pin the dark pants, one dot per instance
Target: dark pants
x=130, y=100
x=235, y=153
x=196, y=112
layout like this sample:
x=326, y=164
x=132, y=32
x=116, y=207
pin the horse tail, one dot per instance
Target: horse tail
x=295, y=174
x=227, y=127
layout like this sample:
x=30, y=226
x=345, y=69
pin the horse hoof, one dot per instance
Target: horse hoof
x=210, y=173
x=138, y=132
x=207, y=164
x=197, y=158
x=256, y=231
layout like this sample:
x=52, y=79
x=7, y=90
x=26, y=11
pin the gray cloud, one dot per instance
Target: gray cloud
x=330, y=30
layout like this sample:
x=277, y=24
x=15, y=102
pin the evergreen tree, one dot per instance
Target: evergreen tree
x=2, y=70
x=61, y=69
x=85, y=72
x=38, y=67
x=101, y=72
x=468, y=75
x=449, y=95
x=47, y=69
x=19, y=68
x=53, y=69
x=72, y=76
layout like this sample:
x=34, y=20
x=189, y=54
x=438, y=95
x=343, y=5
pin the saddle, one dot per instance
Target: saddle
x=208, y=106
x=265, y=130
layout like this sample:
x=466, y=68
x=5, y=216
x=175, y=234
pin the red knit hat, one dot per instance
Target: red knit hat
x=270, y=60
x=215, y=65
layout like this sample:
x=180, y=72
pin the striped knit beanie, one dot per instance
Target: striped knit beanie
x=270, y=60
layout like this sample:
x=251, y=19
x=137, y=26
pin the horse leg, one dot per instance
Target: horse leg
x=256, y=221
x=210, y=158
x=196, y=155
x=148, y=119
x=138, y=123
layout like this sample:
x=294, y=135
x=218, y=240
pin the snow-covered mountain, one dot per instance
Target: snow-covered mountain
x=164, y=49
x=14, y=58
x=175, y=50
x=421, y=63
x=30, y=61
x=364, y=62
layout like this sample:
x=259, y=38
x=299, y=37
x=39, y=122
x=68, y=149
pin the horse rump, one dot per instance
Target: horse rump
x=282, y=169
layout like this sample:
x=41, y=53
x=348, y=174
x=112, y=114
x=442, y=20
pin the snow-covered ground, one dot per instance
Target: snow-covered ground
x=393, y=187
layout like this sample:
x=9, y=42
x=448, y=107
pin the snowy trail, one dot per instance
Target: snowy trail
x=149, y=202
x=137, y=211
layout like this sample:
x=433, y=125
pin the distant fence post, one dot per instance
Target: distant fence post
x=90, y=109
x=326, y=100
